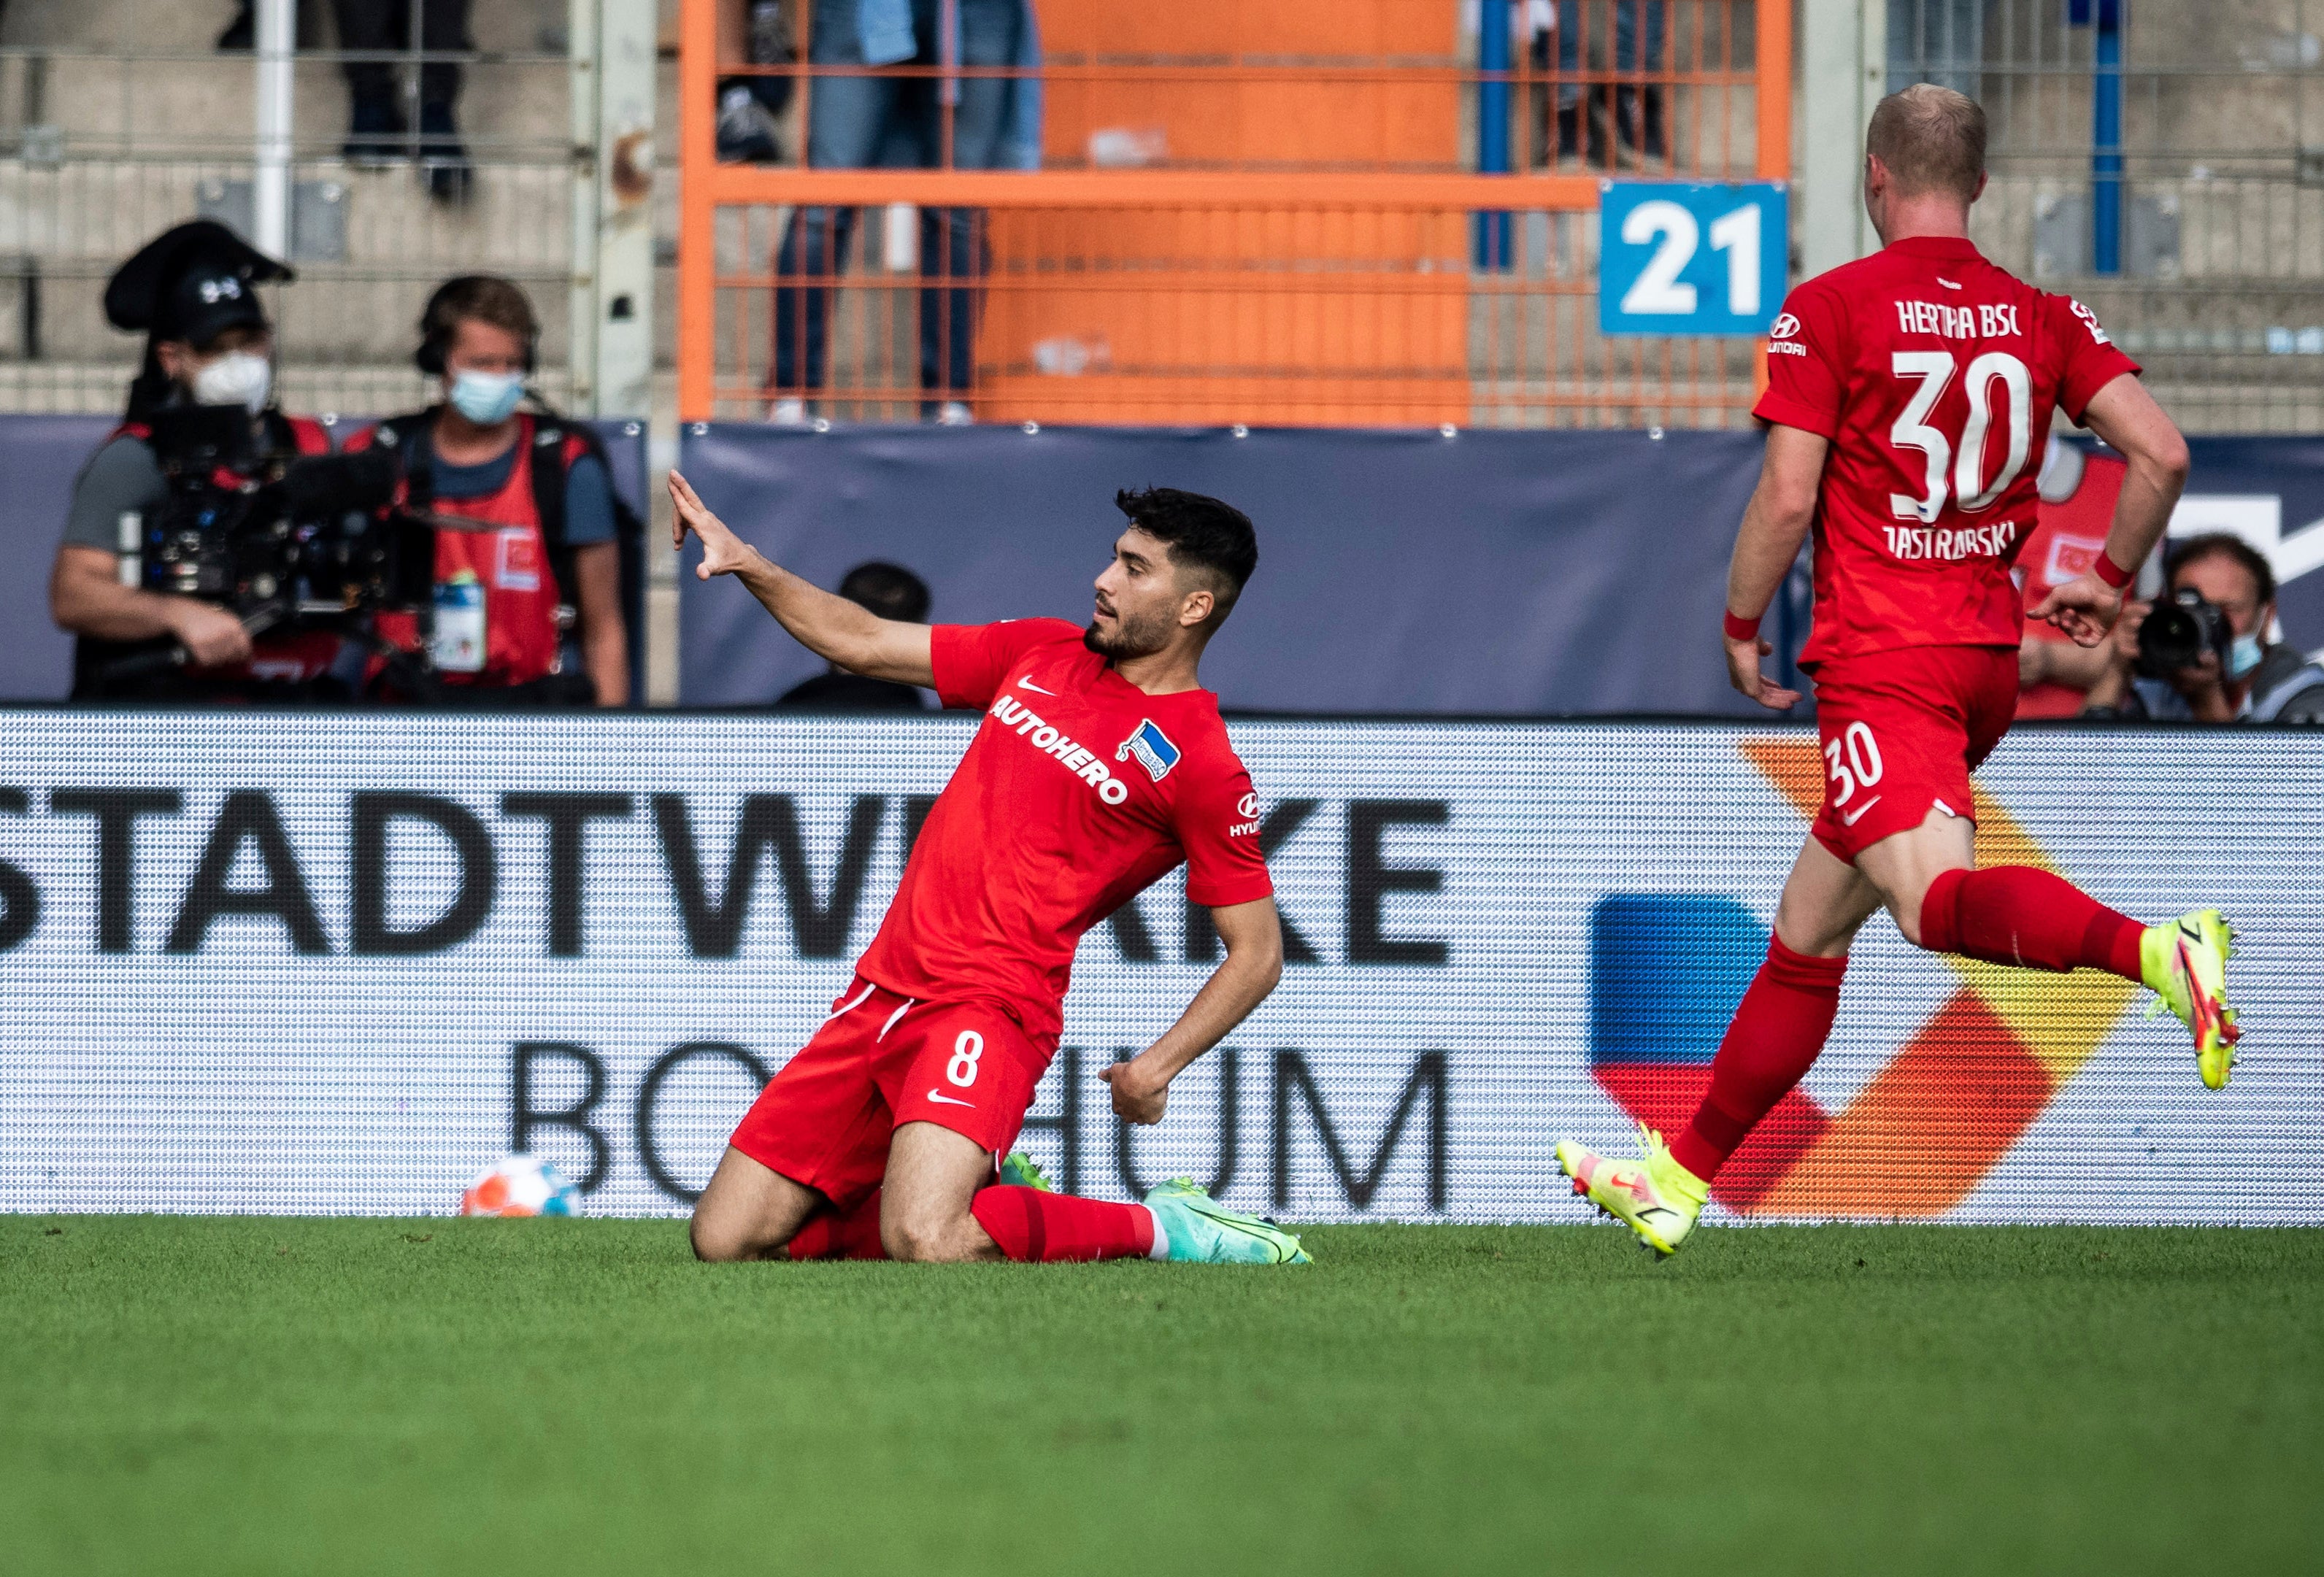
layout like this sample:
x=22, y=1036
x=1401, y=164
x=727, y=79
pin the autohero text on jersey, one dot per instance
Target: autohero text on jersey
x=1078, y=758
x=257, y=885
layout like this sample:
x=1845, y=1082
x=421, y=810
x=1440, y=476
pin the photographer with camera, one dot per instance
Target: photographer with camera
x=522, y=505
x=2200, y=654
x=165, y=606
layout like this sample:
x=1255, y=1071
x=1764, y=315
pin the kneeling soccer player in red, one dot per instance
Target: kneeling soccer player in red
x=1910, y=393
x=1101, y=763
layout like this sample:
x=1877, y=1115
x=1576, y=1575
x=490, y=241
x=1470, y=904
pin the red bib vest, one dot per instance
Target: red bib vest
x=511, y=563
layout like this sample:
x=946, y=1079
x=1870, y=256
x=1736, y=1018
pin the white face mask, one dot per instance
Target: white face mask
x=239, y=377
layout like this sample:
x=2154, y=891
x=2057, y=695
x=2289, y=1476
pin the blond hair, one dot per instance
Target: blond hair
x=1932, y=139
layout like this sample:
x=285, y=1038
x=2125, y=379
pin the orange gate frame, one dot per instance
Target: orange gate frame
x=707, y=185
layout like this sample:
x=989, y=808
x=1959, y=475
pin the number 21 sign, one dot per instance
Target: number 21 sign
x=1676, y=258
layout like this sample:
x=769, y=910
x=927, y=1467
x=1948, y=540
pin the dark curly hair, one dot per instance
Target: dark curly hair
x=1201, y=533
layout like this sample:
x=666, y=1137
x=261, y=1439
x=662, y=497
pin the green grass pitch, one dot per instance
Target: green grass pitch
x=295, y=1395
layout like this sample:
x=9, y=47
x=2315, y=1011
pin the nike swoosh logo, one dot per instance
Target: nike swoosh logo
x=1947, y=283
x=947, y=1099
x=1026, y=683
x=1857, y=814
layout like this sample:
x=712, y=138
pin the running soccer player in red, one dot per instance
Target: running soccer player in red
x=1909, y=394
x=1100, y=764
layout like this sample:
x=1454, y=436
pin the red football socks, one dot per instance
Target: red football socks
x=2017, y=914
x=831, y=1234
x=1778, y=1030
x=1030, y=1226
x=1033, y=1227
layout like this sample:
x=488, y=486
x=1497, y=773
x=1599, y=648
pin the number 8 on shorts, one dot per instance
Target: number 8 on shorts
x=965, y=1052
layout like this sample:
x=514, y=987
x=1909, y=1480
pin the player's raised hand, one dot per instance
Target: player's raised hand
x=1743, y=672
x=2083, y=609
x=1136, y=1096
x=722, y=552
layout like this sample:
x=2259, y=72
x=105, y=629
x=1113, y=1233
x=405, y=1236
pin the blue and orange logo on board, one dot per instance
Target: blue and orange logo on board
x=1667, y=970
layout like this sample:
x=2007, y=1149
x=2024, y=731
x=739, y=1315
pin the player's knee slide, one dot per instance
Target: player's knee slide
x=926, y=1241
x=712, y=1245
x=718, y=1242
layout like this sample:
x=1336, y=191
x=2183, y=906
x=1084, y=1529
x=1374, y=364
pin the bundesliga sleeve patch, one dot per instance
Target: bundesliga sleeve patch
x=1152, y=748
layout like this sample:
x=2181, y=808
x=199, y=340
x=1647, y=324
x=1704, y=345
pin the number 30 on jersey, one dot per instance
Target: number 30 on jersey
x=1675, y=258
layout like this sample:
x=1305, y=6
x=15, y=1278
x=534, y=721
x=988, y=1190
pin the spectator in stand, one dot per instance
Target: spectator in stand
x=378, y=131
x=2074, y=512
x=2256, y=678
x=893, y=592
x=972, y=123
x=753, y=32
x=1606, y=37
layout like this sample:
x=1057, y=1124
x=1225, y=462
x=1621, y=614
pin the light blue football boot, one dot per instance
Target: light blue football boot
x=1202, y=1231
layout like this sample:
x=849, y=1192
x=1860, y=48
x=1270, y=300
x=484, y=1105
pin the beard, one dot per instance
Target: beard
x=1129, y=637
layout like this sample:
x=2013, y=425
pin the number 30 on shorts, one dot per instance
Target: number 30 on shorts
x=965, y=1052
x=1853, y=761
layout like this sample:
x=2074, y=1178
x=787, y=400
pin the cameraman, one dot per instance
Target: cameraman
x=2202, y=655
x=542, y=551
x=208, y=353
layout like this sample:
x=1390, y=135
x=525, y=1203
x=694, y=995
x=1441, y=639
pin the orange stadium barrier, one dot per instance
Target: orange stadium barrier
x=1264, y=213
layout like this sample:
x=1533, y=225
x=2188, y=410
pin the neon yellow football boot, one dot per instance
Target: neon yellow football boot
x=1656, y=1198
x=1017, y=1171
x=2184, y=963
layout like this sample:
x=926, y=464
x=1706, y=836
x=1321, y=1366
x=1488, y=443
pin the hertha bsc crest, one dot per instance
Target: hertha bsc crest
x=1153, y=749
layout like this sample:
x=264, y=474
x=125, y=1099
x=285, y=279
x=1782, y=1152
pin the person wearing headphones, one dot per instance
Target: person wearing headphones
x=204, y=398
x=526, y=519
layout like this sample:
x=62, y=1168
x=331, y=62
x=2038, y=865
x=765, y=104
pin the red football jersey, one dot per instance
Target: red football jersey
x=2067, y=538
x=1079, y=789
x=1934, y=373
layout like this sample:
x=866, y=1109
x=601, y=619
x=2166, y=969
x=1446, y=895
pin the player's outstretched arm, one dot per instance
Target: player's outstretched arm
x=832, y=627
x=1253, y=935
x=1775, y=523
x=2126, y=417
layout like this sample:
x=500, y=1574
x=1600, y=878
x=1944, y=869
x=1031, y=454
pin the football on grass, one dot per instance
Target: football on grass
x=521, y=1186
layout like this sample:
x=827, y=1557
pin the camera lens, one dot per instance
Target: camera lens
x=2170, y=639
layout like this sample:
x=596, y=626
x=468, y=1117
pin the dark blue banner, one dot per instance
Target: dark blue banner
x=2271, y=492
x=1399, y=571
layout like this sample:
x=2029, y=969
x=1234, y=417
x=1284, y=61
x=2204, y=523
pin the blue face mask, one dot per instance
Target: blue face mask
x=2243, y=656
x=486, y=399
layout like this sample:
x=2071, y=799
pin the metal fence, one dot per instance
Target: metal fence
x=121, y=117
x=2165, y=163
x=1356, y=212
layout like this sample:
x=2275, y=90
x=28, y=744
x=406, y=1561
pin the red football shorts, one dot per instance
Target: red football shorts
x=878, y=1062
x=1901, y=732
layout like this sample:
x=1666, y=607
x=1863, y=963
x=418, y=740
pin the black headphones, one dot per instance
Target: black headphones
x=440, y=319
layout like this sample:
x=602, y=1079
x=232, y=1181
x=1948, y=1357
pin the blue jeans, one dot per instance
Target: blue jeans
x=868, y=121
x=1616, y=42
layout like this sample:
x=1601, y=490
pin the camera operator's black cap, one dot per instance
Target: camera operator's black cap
x=192, y=282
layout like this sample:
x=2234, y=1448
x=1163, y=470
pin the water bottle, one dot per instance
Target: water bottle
x=458, y=647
